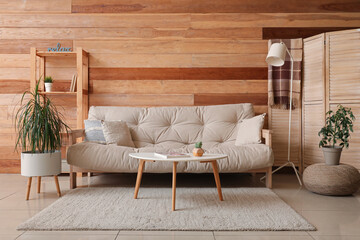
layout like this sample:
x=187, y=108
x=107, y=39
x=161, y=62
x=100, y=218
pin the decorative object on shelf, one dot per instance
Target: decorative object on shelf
x=58, y=48
x=276, y=57
x=198, y=151
x=48, y=81
x=335, y=134
x=38, y=125
x=335, y=180
x=73, y=83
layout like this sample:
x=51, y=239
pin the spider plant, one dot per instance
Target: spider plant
x=38, y=124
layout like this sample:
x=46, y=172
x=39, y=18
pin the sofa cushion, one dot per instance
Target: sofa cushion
x=94, y=132
x=177, y=126
x=112, y=158
x=249, y=130
x=117, y=132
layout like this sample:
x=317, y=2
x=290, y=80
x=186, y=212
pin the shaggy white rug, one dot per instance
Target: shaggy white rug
x=113, y=208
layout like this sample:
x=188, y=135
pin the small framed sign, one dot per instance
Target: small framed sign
x=58, y=48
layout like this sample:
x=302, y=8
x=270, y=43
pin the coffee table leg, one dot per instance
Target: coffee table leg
x=138, y=178
x=217, y=178
x=174, y=186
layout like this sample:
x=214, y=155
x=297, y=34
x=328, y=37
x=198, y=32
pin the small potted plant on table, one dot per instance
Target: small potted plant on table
x=38, y=125
x=335, y=134
x=48, y=83
x=198, y=151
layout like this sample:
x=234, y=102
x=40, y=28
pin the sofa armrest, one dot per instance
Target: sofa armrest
x=266, y=134
x=73, y=135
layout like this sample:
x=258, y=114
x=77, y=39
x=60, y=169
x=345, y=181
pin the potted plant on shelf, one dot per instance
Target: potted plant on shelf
x=38, y=125
x=335, y=134
x=48, y=83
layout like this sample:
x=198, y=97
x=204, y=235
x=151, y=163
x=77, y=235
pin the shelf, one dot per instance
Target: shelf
x=56, y=54
x=81, y=63
x=57, y=93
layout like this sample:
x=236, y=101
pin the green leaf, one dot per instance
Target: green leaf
x=198, y=145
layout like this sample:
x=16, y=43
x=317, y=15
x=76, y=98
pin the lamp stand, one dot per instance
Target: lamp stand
x=289, y=163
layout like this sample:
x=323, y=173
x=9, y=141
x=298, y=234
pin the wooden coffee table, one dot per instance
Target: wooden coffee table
x=150, y=157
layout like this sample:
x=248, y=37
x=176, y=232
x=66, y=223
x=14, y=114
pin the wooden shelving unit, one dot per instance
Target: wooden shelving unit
x=38, y=69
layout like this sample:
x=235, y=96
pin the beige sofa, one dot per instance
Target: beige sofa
x=173, y=128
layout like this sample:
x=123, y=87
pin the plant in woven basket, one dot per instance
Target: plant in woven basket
x=336, y=133
x=198, y=151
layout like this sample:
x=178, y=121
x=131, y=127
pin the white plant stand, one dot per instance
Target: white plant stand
x=40, y=165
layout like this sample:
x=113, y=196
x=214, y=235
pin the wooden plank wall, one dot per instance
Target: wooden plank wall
x=154, y=52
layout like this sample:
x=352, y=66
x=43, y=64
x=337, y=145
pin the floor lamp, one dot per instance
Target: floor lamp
x=276, y=57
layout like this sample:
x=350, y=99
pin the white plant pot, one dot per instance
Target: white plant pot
x=40, y=164
x=48, y=87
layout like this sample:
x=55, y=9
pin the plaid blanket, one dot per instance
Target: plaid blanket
x=279, y=77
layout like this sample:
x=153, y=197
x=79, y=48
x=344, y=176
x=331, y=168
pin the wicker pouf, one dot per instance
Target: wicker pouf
x=331, y=180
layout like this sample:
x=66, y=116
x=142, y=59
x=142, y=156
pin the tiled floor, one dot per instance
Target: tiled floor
x=335, y=217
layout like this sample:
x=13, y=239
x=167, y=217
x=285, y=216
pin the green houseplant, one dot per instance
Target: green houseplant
x=198, y=151
x=336, y=133
x=48, y=83
x=38, y=125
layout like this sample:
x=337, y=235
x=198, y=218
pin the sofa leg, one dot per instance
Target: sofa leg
x=81, y=174
x=269, y=178
x=72, y=178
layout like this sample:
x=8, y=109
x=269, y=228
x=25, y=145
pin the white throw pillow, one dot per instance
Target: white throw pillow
x=117, y=132
x=249, y=130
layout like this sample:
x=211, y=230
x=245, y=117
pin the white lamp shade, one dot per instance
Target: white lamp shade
x=276, y=55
